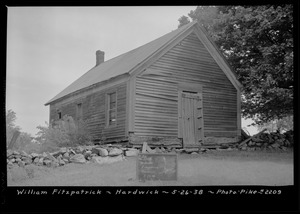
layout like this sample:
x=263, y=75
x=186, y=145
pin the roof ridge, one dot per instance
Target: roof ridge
x=105, y=69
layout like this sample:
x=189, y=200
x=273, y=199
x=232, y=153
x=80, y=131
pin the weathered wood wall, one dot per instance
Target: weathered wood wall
x=94, y=112
x=156, y=110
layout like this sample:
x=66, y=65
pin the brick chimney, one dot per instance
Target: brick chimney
x=99, y=57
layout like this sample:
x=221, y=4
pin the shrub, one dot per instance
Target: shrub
x=63, y=133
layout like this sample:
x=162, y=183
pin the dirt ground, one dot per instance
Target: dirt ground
x=213, y=168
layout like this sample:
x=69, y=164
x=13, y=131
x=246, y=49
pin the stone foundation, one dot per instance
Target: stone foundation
x=138, y=141
x=221, y=140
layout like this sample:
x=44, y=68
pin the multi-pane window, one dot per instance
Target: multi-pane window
x=112, y=109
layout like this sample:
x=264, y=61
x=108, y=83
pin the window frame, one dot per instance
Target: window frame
x=108, y=109
x=79, y=111
x=59, y=115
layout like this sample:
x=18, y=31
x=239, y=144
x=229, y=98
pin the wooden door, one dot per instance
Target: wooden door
x=192, y=119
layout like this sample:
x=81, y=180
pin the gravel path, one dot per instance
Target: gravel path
x=192, y=170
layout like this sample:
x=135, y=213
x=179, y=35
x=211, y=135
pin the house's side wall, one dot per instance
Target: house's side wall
x=94, y=112
x=156, y=109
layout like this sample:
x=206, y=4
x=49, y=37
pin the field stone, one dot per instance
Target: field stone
x=65, y=160
x=275, y=145
x=61, y=162
x=41, y=161
x=244, y=148
x=48, y=163
x=54, y=164
x=21, y=163
x=131, y=152
x=79, y=149
x=51, y=157
x=63, y=150
x=18, y=159
x=78, y=158
x=115, y=152
x=102, y=152
x=10, y=164
x=71, y=151
x=36, y=160
x=66, y=155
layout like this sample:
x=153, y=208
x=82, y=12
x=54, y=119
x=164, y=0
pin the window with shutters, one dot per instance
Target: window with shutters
x=111, y=109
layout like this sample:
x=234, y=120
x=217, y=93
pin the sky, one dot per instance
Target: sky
x=50, y=47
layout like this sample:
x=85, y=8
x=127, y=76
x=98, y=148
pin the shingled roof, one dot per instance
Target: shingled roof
x=121, y=64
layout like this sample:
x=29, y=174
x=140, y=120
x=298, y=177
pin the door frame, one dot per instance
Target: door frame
x=188, y=87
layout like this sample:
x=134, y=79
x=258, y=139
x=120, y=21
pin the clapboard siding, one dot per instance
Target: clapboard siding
x=156, y=110
x=94, y=109
x=155, y=107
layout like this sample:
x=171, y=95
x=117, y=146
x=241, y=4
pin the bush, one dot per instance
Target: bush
x=63, y=133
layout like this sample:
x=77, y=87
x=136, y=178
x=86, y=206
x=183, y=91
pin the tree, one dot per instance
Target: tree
x=257, y=41
x=282, y=125
x=23, y=139
x=10, y=125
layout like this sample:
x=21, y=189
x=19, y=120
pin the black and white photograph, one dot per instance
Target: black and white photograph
x=150, y=96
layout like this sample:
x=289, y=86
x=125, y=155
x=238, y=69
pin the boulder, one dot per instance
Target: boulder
x=79, y=149
x=41, y=161
x=131, y=152
x=66, y=155
x=55, y=154
x=78, y=158
x=63, y=150
x=54, y=164
x=44, y=155
x=194, y=153
x=48, y=163
x=10, y=164
x=115, y=152
x=61, y=163
x=36, y=160
x=87, y=154
x=275, y=145
x=27, y=160
x=51, y=157
x=102, y=152
x=34, y=155
x=65, y=160
x=71, y=151
x=21, y=163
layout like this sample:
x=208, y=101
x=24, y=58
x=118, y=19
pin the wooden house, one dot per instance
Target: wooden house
x=177, y=90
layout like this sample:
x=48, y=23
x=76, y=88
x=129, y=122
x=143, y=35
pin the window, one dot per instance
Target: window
x=112, y=109
x=59, y=115
x=79, y=111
